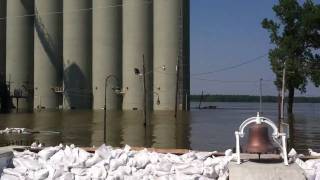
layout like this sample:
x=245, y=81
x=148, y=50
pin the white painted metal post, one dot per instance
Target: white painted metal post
x=284, y=150
x=237, y=147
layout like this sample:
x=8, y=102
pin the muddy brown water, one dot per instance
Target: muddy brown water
x=210, y=129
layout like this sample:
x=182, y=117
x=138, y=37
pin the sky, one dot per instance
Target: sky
x=228, y=33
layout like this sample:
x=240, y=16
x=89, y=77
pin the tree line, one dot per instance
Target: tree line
x=249, y=98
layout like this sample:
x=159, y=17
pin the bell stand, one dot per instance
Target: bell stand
x=275, y=136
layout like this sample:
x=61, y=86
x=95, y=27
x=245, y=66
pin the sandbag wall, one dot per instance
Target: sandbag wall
x=68, y=54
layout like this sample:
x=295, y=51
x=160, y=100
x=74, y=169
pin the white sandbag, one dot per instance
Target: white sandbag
x=154, y=157
x=81, y=154
x=188, y=169
x=13, y=172
x=93, y=160
x=212, y=161
x=165, y=177
x=121, y=161
x=140, y=160
x=54, y=172
x=46, y=153
x=67, y=176
x=312, y=153
x=97, y=172
x=77, y=177
x=57, y=158
x=317, y=174
x=79, y=171
x=228, y=152
x=188, y=157
x=27, y=163
x=41, y=174
x=210, y=172
x=175, y=159
x=104, y=151
x=204, y=178
x=204, y=155
x=164, y=166
x=126, y=148
x=116, y=153
x=179, y=176
x=5, y=176
x=30, y=175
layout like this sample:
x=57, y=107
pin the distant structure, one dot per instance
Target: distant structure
x=70, y=54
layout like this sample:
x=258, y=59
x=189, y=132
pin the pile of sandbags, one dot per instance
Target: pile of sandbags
x=72, y=163
x=15, y=131
x=311, y=167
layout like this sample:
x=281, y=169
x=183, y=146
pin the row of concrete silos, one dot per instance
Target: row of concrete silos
x=77, y=44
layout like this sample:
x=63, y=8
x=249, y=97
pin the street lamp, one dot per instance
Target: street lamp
x=117, y=90
x=137, y=72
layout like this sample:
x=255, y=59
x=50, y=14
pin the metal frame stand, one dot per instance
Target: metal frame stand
x=275, y=136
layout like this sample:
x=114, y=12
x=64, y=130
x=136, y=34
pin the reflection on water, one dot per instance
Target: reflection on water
x=198, y=129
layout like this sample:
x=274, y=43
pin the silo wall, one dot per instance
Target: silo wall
x=3, y=14
x=137, y=45
x=19, y=50
x=107, y=53
x=77, y=54
x=47, y=54
x=167, y=44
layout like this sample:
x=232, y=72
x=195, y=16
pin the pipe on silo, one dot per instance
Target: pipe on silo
x=47, y=53
x=19, y=52
x=3, y=14
x=107, y=52
x=77, y=54
x=167, y=30
x=137, y=42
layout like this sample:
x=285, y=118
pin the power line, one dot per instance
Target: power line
x=64, y=12
x=231, y=81
x=231, y=67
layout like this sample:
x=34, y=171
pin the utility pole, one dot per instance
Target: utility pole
x=105, y=112
x=201, y=98
x=144, y=91
x=283, y=94
x=260, y=87
x=177, y=89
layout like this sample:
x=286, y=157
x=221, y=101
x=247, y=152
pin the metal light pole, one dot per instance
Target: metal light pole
x=283, y=93
x=105, y=106
x=145, y=91
x=143, y=74
x=260, y=87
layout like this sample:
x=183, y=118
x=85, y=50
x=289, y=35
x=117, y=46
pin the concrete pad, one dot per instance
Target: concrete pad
x=265, y=171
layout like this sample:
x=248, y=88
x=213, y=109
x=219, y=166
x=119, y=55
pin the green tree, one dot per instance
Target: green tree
x=295, y=34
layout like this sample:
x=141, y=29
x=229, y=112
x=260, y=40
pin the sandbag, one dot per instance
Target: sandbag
x=46, y=153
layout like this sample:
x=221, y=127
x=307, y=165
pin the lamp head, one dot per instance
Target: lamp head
x=136, y=71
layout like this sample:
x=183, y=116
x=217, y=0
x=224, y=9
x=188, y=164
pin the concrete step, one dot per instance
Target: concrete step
x=265, y=171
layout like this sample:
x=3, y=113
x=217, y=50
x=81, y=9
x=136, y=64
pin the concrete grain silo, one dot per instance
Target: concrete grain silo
x=137, y=42
x=167, y=30
x=77, y=54
x=107, y=52
x=47, y=54
x=19, y=50
x=3, y=13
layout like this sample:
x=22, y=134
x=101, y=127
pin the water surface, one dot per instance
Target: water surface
x=210, y=129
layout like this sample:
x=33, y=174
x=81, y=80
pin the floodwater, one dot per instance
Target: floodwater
x=210, y=129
